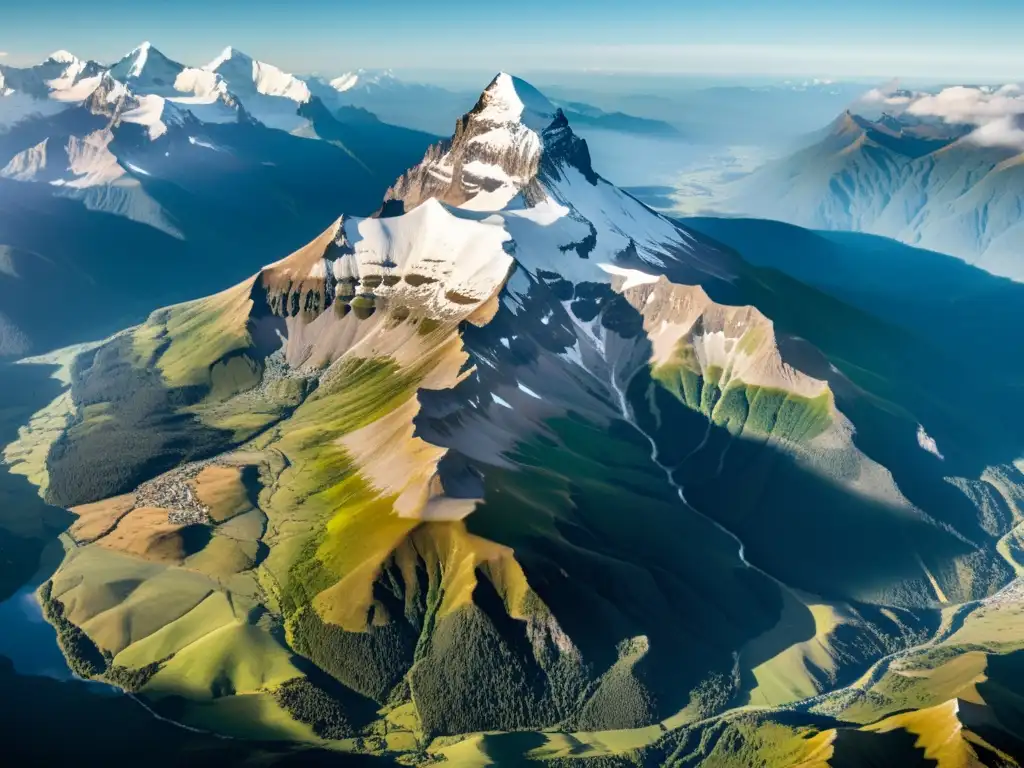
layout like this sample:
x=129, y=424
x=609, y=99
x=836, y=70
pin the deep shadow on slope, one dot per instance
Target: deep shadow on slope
x=947, y=365
x=937, y=296
x=92, y=726
x=602, y=534
x=84, y=274
x=140, y=433
x=27, y=523
x=240, y=195
x=387, y=151
x=889, y=380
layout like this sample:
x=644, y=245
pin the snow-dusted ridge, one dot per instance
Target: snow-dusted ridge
x=242, y=72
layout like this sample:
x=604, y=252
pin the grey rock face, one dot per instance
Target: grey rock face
x=512, y=138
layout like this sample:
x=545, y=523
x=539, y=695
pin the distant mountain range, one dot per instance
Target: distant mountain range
x=433, y=108
x=750, y=115
x=924, y=182
x=224, y=165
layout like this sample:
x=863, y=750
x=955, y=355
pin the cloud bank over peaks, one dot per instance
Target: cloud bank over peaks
x=888, y=95
x=997, y=113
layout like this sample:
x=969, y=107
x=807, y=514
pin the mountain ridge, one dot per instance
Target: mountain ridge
x=922, y=185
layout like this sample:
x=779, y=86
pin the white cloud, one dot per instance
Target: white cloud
x=969, y=106
x=3, y=53
x=1004, y=132
x=878, y=96
x=888, y=95
x=927, y=442
x=997, y=114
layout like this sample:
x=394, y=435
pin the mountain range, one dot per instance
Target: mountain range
x=126, y=142
x=515, y=469
x=924, y=182
x=96, y=162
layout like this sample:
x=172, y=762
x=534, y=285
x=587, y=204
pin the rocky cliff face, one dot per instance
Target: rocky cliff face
x=499, y=149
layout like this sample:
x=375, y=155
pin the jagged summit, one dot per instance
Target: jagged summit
x=146, y=62
x=62, y=57
x=499, y=152
x=244, y=74
x=227, y=54
x=509, y=99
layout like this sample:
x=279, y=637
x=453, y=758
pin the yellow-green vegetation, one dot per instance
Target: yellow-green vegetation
x=236, y=658
x=244, y=413
x=806, y=664
x=188, y=342
x=256, y=716
x=939, y=733
x=160, y=627
x=330, y=525
x=742, y=408
x=957, y=668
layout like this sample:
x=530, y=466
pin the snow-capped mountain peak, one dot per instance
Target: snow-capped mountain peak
x=226, y=55
x=138, y=58
x=62, y=57
x=245, y=74
x=515, y=155
x=363, y=79
x=46, y=87
x=148, y=70
x=511, y=100
x=345, y=82
x=123, y=105
x=501, y=149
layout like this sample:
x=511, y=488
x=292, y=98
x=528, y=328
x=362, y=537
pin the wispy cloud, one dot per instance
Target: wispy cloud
x=3, y=53
x=997, y=114
x=888, y=95
x=1004, y=132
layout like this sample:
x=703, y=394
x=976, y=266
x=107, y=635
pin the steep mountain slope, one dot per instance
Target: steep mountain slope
x=271, y=95
x=937, y=296
x=516, y=453
x=932, y=186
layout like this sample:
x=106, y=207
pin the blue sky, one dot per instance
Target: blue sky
x=942, y=39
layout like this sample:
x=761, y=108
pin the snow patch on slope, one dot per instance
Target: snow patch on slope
x=927, y=442
x=633, y=277
x=154, y=113
x=91, y=162
x=465, y=255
